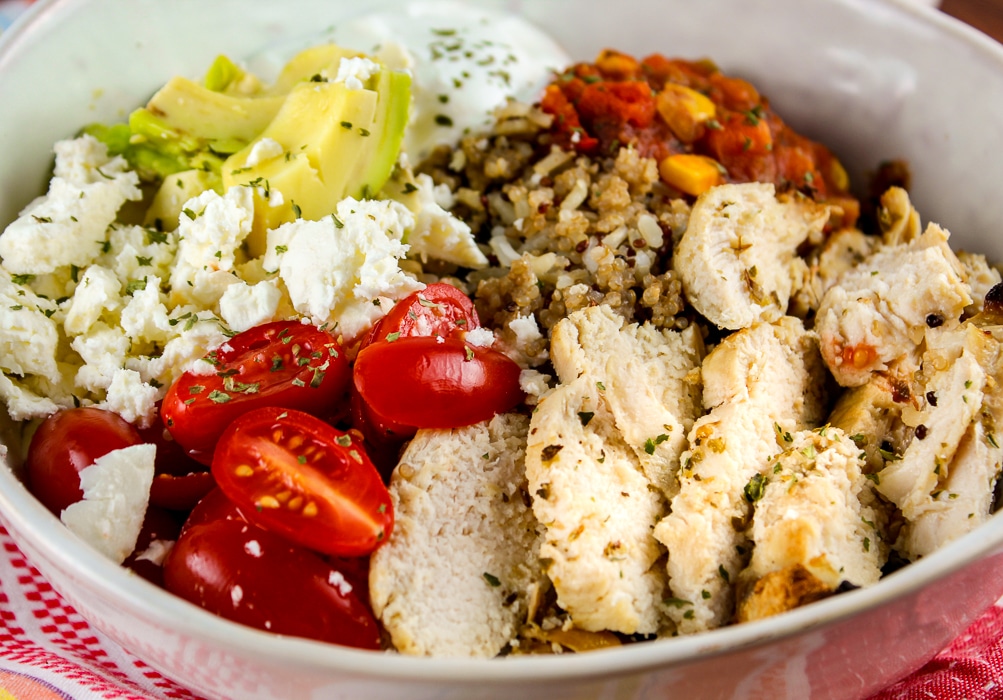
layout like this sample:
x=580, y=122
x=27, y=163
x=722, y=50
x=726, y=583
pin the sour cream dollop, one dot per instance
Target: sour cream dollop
x=465, y=62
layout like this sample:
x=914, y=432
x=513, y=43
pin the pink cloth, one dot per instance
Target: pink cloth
x=49, y=652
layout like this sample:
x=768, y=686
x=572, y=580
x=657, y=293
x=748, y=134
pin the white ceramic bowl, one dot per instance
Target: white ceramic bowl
x=874, y=79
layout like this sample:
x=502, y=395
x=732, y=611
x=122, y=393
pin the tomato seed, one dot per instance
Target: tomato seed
x=267, y=502
x=296, y=503
x=283, y=496
x=295, y=441
x=310, y=509
x=243, y=470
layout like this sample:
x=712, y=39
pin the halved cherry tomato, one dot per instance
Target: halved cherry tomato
x=439, y=309
x=158, y=524
x=67, y=442
x=436, y=383
x=249, y=575
x=213, y=506
x=285, y=363
x=178, y=481
x=298, y=476
x=216, y=506
x=383, y=438
x=180, y=492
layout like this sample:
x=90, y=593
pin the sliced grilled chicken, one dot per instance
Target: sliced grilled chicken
x=455, y=577
x=944, y=481
x=759, y=383
x=876, y=315
x=809, y=518
x=598, y=507
x=603, y=456
x=738, y=258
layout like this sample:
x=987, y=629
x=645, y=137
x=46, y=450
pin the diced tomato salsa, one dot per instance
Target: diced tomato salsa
x=667, y=107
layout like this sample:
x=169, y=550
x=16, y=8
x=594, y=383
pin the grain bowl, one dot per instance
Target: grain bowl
x=874, y=81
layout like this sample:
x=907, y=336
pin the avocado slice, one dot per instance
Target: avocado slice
x=336, y=142
x=311, y=65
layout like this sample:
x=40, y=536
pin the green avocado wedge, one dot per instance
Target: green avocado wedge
x=327, y=142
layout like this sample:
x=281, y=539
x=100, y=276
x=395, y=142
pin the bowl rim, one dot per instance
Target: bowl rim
x=21, y=513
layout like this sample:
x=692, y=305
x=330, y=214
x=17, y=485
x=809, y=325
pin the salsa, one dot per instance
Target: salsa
x=704, y=128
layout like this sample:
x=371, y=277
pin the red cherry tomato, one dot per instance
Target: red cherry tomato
x=435, y=383
x=285, y=363
x=216, y=506
x=179, y=481
x=383, y=438
x=249, y=575
x=298, y=476
x=213, y=506
x=158, y=524
x=439, y=309
x=180, y=492
x=67, y=442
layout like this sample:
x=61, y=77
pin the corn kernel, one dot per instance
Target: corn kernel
x=616, y=64
x=837, y=173
x=690, y=173
x=683, y=109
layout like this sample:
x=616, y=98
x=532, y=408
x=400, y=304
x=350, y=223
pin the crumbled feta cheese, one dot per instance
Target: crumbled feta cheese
x=354, y=71
x=262, y=150
x=156, y=552
x=236, y=595
x=103, y=350
x=135, y=253
x=253, y=547
x=22, y=403
x=480, y=337
x=534, y=383
x=244, y=306
x=99, y=291
x=68, y=225
x=144, y=317
x=437, y=233
x=334, y=268
x=133, y=399
x=338, y=580
x=182, y=352
x=208, y=245
x=28, y=337
x=116, y=491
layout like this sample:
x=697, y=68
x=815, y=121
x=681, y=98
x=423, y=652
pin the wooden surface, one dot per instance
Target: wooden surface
x=986, y=15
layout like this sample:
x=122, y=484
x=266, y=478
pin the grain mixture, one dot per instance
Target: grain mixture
x=565, y=231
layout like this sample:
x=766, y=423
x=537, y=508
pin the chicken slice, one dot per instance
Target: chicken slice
x=944, y=482
x=650, y=381
x=738, y=258
x=981, y=278
x=598, y=507
x=966, y=497
x=454, y=578
x=878, y=312
x=809, y=517
x=897, y=217
x=840, y=252
x=759, y=384
x=953, y=395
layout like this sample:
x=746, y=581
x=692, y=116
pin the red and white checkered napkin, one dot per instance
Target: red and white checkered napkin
x=48, y=652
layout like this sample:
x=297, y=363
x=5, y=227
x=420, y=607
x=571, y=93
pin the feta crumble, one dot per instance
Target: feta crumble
x=116, y=491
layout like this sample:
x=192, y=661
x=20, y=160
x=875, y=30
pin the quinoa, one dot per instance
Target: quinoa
x=563, y=231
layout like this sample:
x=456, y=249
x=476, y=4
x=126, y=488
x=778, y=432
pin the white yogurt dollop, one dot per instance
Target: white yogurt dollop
x=465, y=62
